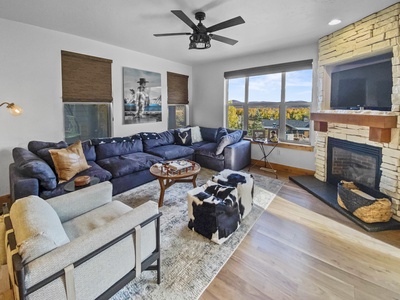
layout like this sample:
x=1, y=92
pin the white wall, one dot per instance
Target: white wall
x=30, y=75
x=208, y=107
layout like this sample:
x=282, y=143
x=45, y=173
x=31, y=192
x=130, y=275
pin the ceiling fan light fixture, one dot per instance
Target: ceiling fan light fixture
x=199, y=41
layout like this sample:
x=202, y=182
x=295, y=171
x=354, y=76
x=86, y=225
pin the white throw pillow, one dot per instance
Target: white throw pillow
x=37, y=227
x=196, y=134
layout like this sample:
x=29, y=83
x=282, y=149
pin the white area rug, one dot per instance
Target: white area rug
x=189, y=262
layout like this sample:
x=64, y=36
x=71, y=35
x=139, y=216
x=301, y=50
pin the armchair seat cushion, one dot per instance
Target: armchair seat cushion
x=93, y=219
x=129, y=163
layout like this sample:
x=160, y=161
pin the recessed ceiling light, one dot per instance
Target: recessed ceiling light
x=335, y=22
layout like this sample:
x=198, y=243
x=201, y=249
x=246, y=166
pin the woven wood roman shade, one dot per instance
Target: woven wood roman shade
x=177, y=88
x=85, y=78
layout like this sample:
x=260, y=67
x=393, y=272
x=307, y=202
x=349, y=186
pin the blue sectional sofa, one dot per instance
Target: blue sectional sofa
x=125, y=162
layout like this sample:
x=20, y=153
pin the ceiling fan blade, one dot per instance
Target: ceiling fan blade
x=223, y=39
x=181, y=15
x=170, y=34
x=226, y=24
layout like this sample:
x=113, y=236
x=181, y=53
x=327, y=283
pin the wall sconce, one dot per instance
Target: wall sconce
x=14, y=109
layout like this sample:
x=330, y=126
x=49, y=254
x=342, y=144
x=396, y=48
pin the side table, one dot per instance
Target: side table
x=70, y=186
x=267, y=165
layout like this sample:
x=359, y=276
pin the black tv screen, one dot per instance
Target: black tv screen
x=367, y=84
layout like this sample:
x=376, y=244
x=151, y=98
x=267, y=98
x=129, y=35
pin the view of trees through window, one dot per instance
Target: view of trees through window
x=278, y=101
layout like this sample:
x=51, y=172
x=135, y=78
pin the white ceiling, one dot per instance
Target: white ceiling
x=270, y=24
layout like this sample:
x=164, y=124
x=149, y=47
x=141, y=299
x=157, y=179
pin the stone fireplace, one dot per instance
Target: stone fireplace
x=375, y=34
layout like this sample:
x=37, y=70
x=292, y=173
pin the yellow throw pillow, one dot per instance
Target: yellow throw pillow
x=69, y=161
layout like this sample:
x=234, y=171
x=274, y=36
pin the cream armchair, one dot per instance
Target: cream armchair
x=80, y=245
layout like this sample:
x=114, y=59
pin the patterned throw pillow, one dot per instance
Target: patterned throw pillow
x=183, y=136
x=149, y=135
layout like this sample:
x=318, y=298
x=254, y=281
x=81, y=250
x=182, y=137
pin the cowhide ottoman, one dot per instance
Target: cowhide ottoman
x=244, y=183
x=213, y=211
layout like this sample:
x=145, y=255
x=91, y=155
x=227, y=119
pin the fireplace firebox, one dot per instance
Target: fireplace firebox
x=355, y=162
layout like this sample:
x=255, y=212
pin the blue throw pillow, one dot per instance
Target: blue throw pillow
x=229, y=139
x=183, y=136
x=29, y=164
x=220, y=133
x=41, y=149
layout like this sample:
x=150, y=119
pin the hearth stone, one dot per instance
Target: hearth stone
x=327, y=193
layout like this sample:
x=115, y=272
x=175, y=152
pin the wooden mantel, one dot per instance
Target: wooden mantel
x=379, y=125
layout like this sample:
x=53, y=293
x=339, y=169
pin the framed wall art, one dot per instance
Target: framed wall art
x=142, y=96
x=258, y=135
x=273, y=135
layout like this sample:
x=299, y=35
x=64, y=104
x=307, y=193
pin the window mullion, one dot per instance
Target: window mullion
x=282, y=108
x=246, y=104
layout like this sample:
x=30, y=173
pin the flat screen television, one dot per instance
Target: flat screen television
x=365, y=84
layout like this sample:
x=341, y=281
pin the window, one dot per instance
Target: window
x=271, y=98
x=177, y=116
x=83, y=121
x=87, y=96
x=178, y=100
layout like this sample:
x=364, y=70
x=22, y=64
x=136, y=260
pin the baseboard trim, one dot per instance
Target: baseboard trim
x=283, y=168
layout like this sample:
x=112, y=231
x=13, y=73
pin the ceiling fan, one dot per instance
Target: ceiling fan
x=201, y=36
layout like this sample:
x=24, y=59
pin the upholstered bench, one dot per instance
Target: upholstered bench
x=213, y=211
x=244, y=183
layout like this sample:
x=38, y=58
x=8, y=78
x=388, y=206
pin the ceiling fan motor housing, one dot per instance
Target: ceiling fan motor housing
x=200, y=15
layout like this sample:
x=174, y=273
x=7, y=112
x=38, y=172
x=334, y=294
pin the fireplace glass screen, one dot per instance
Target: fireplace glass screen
x=353, y=162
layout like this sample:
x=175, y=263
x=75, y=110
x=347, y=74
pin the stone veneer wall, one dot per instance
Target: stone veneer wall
x=376, y=34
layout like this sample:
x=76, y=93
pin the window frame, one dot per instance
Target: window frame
x=282, y=104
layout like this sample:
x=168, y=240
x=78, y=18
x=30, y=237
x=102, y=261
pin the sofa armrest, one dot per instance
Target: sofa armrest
x=74, y=204
x=20, y=185
x=238, y=155
x=94, y=245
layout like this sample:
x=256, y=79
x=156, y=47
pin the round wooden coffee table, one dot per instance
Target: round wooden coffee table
x=166, y=180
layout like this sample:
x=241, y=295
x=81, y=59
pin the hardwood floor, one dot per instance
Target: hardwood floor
x=301, y=248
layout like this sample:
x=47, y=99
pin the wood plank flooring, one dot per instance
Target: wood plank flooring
x=300, y=248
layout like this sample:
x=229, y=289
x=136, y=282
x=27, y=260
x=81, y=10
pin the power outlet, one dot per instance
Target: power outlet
x=278, y=152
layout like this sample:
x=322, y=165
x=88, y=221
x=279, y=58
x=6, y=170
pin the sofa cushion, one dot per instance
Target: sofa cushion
x=88, y=150
x=229, y=139
x=199, y=144
x=209, y=150
x=41, y=149
x=164, y=138
x=126, y=164
x=31, y=165
x=149, y=135
x=208, y=134
x=110, y=147
x=69, y=161
x=171, y=151
x=183, y=136
x=37, y=227
x=196, y=134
